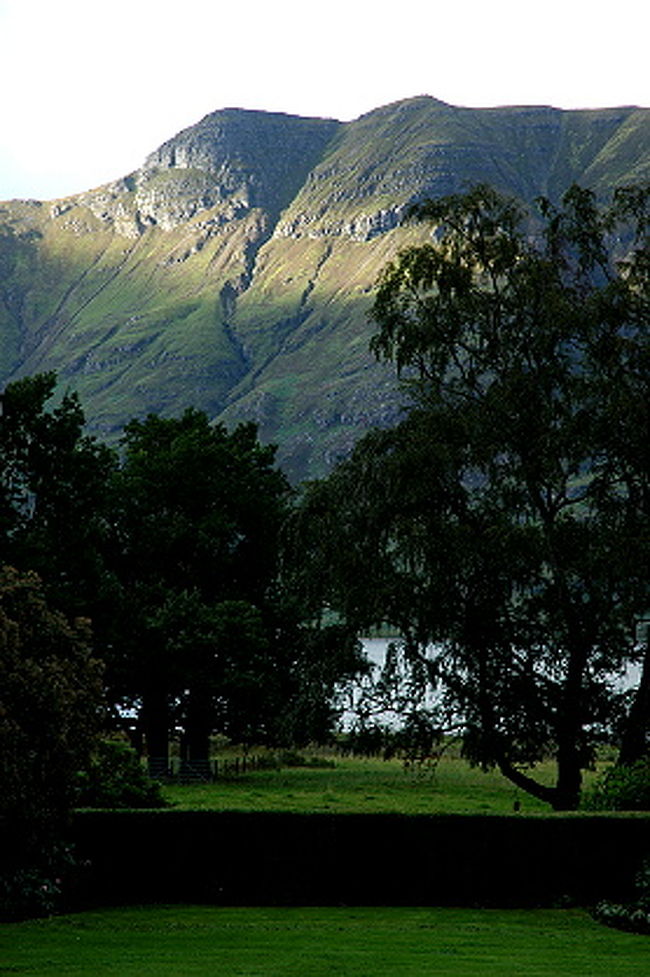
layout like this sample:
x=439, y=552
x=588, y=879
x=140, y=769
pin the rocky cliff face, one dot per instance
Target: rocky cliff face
x=234, y=270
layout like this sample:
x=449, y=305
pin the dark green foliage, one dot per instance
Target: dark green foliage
x=52, y=486
x=173, y=554
x=622, y=788
x=50, y=697
x=274, y=858
x=291, y=758
x=36, y=888
x=53, y=494
x=115, y=778
x=203, y=635
x=201, y=501
x=502, y=527
x=196, y=521
x=633, y=916
x=417, y=742
x=50, y=713
x=315, y=664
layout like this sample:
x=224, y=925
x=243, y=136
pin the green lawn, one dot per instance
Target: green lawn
x=186, y=941
x=363, y=786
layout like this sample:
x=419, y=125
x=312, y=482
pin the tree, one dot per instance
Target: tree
x=51, y=708
x=53, y=494
x=172, y=550
x=204, y=637
x=503, y=526
x=196, y=516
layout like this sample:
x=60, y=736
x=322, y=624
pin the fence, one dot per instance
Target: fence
x=203, y=771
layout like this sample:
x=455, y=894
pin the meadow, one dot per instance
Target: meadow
x=353, y=785
x=201, y=941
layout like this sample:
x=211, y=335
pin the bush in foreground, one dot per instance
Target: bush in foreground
x=51, y=708
x=115, y=778
x=633, y=916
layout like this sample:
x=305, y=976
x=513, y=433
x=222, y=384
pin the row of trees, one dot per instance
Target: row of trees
x=503, y=528
x=139, y=583
x=170, y=548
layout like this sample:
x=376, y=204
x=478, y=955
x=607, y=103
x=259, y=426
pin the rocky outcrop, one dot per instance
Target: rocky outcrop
x=363, y=227
x=251, y=159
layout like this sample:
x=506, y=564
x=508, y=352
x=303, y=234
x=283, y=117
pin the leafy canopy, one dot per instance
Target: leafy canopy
x=51, y=709
x=502, y=528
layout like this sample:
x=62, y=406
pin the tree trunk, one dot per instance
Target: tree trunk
x=565, y=795
x=196, y=738
x=569, y=732
x=634, y=745
x=526, y=783
x=569, y=778
x=155, y=722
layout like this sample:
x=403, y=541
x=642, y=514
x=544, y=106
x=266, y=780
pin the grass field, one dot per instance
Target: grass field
x=356, y=785
x=204, y=941
x=187, y=941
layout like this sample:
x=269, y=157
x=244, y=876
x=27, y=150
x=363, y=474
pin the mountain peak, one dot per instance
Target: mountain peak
x=234, y=270
x=426, y=102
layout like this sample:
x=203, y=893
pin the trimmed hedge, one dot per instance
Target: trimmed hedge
x=322, y=859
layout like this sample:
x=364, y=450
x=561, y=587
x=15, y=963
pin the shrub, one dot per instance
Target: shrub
x=290, y=758
x=115, y=778
x=34, y=886
x=622, y=788
x=633, y=916
x=51, y=707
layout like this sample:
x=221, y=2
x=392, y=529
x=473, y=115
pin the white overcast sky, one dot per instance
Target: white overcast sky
x=89, y=88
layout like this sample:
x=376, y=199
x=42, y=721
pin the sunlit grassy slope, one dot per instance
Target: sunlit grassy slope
x=234, y=271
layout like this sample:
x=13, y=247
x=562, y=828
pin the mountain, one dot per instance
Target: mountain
x=234, y=270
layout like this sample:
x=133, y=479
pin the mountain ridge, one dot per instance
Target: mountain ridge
x=234, y=270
